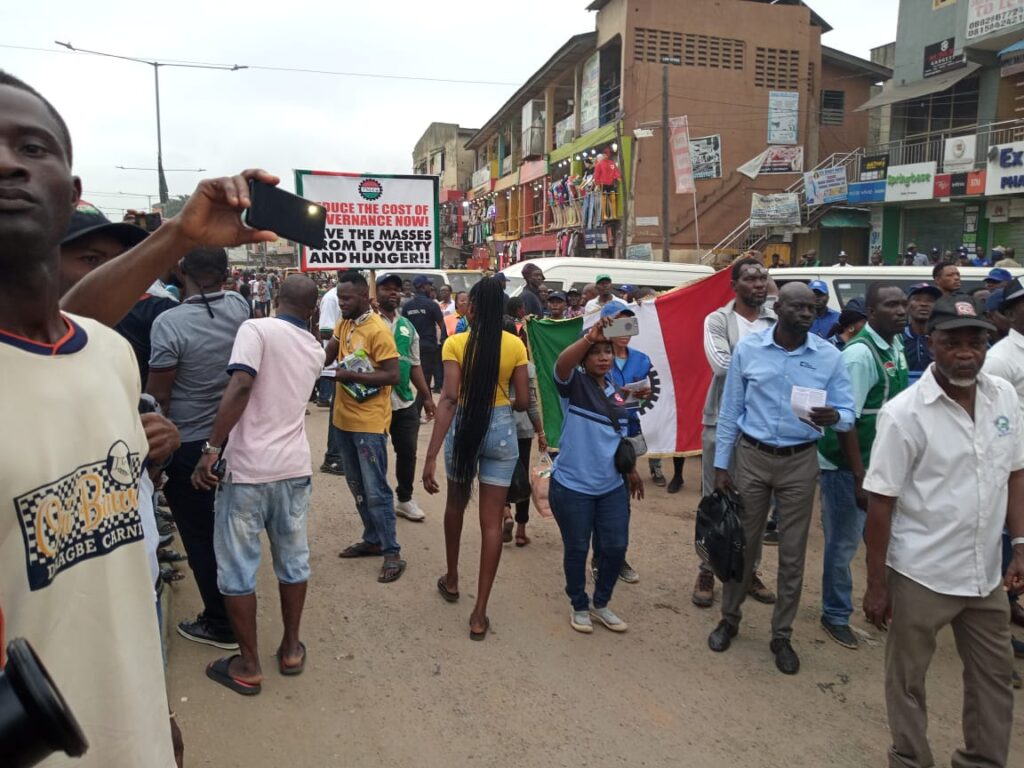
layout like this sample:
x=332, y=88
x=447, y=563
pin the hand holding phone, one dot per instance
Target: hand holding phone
x=622, y=326
x=290, y=216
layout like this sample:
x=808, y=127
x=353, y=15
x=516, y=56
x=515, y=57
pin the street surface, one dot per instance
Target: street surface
x=392, y=678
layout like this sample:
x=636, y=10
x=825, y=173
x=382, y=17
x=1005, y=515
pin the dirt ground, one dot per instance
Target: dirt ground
x=393, y=679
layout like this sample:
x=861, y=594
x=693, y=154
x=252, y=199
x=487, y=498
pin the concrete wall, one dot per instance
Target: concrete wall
x=919, y=26
x=459, y=162
x=854, y=132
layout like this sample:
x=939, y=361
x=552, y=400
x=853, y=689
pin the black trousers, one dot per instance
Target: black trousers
x=193, y=514
x=523, y=507
x=405, y=429
x=430, y=361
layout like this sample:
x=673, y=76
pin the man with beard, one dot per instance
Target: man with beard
x=774, y=453
x=945, y=476
x=878, y=372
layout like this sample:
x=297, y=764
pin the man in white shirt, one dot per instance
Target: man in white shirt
x=945, y=475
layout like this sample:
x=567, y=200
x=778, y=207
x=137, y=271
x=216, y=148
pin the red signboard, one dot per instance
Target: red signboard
x=943, y=184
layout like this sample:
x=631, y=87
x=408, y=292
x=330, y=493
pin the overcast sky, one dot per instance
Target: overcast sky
x=225, y=121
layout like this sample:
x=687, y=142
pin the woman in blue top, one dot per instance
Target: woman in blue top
x=587, y=494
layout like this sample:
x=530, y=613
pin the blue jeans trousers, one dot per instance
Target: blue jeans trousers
x=364, y=456
x=325, y=389
x=333, y=454
x=843, y=523
x=579, y=516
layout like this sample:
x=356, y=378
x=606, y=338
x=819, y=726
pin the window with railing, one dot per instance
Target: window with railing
x=833, y=107
x=956, y=107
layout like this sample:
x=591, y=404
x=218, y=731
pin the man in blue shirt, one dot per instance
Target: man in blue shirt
x=774, y=453
x=428, y=320
x=920, y=300
x=825, y=318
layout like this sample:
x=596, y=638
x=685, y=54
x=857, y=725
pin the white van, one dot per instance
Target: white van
x=458, y=279
x=846, y=282
x=564, y=272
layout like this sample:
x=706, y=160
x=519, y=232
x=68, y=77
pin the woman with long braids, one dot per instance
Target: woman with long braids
x=475, y=423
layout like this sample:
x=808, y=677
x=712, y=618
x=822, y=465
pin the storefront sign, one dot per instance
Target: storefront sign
x=997, y=211
x=647, y=221
x=565, y=131
x=373, y=221
x=910, y=182
x=590, y=94
x=679, y=146
x=639, y=252
x=1005, y=173
x=873, y=167
x=706, y=156
x=976, y=182
x=987, y=16
x=942, y=57
x=783, y=160
x=780, y=210
x=943, y=184
x=959, y=154
x=784, y=116
x=825, y=185
x=866, y=192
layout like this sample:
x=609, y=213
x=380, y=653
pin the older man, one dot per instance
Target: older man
x=774, y=452
x=945, y=475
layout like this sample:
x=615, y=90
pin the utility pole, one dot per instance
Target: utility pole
x=664, y=159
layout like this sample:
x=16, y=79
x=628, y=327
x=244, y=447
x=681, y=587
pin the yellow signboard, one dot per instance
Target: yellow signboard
x=936, y=4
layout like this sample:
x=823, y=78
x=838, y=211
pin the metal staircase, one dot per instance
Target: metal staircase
x=744, y=238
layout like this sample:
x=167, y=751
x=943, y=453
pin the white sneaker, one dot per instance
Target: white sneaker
x=580, y=621
x=410, y=510
x=607, y=617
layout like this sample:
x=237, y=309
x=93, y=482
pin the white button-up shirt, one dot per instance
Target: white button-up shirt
x=1006, y=360
x=949, y=476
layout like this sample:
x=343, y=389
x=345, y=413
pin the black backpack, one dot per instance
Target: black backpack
x=719, y=537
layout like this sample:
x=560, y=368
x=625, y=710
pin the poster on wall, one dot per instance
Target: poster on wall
x=783, y=160
x=679, y=146
x=590, y=94
x=778, y=210
x=873, y=167
x=374, y=221
x=942, y=57
x=706, y=157
x=959, y=154
x=784, y=116
x=915, y=181
x=825, y=185
x=987, y=16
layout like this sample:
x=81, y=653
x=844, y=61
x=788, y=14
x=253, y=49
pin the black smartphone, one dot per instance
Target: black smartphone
x=219, y=468
x=290, y=216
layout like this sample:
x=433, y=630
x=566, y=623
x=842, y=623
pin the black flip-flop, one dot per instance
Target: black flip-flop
x=447, y=594
x=482, y=633
x=360, y=549
x=218, y=671
x=506, y=530
x=297, y=669
x=391, y=570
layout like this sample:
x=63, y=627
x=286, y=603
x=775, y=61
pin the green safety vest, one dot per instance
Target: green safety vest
x=403, y=332
x=893, y=374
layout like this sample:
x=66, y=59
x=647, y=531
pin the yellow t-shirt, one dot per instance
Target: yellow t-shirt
x=371, y=334
x=513, y=355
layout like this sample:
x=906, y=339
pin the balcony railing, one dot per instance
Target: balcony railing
x=928, y=147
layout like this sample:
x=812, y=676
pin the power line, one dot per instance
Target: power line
x=299, y=70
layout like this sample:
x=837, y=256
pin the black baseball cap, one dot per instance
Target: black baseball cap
x=928, y=288
x=87, y=219
x=956, y=311
x=1013, y=292
x=389, y=277
x=557, y=296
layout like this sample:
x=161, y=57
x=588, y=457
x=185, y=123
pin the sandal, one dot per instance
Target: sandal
x=392, y=570
x=297, y=669
x=447, y=594
x=220, y=672
x=522, y=541
x=506, y=529
x=360, y=549
x=482, y=634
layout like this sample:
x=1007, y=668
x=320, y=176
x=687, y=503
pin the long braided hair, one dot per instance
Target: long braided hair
x=479, y=377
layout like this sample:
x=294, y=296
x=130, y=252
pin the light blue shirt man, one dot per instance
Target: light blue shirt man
x=758, y=389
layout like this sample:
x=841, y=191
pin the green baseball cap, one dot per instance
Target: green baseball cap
x=601, y=278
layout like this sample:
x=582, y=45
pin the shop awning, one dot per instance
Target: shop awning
x=891, y=94
x=1017, y=47
x=603, y=135
x=845, y=218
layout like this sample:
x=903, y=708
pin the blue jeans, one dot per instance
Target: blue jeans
x=333, y=455
x=578, y=516
x=364, y=456
x=325, y=389
x=843, y=522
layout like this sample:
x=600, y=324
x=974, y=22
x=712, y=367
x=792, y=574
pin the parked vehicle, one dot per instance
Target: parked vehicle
x=564, y=272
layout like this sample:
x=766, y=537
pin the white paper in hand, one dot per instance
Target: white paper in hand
x=802, y=400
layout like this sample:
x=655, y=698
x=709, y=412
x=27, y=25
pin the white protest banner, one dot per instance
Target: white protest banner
x=679, y=138
x=777, y=210
x=373, y=220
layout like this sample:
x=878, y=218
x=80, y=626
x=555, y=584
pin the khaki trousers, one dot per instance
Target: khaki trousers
x=981, y=629
x=793, y=480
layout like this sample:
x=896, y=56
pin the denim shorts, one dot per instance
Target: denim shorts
x=499, y=451
x=242, y=511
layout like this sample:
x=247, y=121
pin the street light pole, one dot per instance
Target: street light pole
x=664, y=162
x=161, y=180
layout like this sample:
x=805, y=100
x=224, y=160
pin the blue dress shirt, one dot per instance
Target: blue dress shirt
x=822, y=325
x=756, y=399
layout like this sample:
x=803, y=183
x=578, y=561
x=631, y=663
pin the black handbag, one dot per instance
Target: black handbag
x=719, y=538
x=519, y=489
x=625, y=452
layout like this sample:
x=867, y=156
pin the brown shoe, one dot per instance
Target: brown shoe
x=704, y=589
x=760, y=592
x=1017, y=613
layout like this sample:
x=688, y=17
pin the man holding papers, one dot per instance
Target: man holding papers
x=765, y=448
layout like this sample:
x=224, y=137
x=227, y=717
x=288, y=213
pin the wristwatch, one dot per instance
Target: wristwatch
x=211, y=449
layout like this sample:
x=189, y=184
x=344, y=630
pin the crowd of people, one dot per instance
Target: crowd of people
x=208, y=393
x=963, y=256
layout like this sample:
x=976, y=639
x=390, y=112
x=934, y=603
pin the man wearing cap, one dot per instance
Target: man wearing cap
x=920, y=300
x=774, y=453
x=963, y=256
x=1008, y=261
x=916, y=259
x=945, y=476
x=557, y=305
x=997, y=277
x=575, y=301
x=534, y=277
x=604, y=294
x=627, y=292
x=841, y=260
x=426, y=316
x=946, y=277
x=825, y=316
x=934, y=256
x=878, y=372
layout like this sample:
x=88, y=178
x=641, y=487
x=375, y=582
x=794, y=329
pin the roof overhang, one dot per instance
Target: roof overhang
x=564, y=60
x=892, y=94
x=856, y=63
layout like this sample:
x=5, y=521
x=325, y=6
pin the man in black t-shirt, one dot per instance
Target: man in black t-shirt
x=534, y=277
x=428, y=320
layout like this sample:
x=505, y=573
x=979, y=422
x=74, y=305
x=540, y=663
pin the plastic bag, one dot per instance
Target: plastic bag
x=519, y=489
x=719, y=538
x=540, y=477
